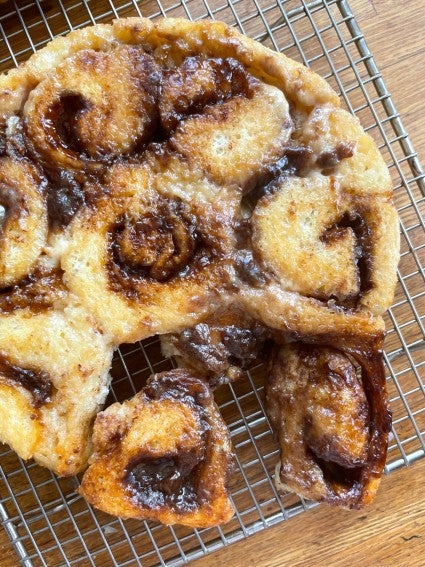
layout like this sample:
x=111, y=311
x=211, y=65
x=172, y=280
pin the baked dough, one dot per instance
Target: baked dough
x=178, y=178
x=332, y=422
x=53, y=380
x=163, y=455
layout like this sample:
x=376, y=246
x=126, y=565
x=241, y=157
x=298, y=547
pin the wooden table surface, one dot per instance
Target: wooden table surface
x=391, y=532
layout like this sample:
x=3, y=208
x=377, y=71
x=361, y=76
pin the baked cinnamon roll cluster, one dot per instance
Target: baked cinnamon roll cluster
x=178, y=179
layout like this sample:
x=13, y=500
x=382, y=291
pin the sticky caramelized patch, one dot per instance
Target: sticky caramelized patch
x=65, y=196
x=199, y=82
x=221, y=347
x=36, y=292
x=166, y=481
x=331, y=158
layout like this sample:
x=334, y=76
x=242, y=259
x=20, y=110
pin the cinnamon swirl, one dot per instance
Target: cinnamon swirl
x=332, y=425
x=53, y=380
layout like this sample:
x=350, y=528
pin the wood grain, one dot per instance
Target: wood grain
x=392, y=531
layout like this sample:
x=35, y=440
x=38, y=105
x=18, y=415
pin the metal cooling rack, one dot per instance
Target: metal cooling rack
x=46, y=521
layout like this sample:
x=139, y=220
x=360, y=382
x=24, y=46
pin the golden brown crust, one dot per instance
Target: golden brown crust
x=24, y=220
x=163, y=455
x=53, y=380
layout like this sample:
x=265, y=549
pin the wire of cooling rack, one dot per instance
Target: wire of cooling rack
x=45, y=519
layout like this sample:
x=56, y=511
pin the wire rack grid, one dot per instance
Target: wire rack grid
x=45, y=519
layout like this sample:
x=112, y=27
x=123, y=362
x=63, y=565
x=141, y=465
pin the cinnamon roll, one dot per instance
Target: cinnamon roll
x=332, y=423
x=145, y=260
x=163, y=455
x=178, y=178
x=234, y=141
x=74, y=119
x=339, y=246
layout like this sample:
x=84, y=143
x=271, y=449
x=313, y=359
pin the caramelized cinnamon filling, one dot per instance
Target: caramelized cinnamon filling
x=331, y=420
x=355, y=221
x=161, y=245
x=61, y=120
x=38, y=292
x=36, y=382
x=170, y=480
x=266, y=182
x=199, y=82
x=332, y=158
x=65, y=196
x=216, y=347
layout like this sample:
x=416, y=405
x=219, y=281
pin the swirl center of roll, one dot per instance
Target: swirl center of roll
x=63, y=122
x=158, y=245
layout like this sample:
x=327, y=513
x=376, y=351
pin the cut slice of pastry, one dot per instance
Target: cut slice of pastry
x=330, y=411
x=164, y=455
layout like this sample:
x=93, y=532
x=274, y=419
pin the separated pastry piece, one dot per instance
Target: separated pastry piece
x=155, y=248
x=163, y=455
x=53, y=376
x=219, y=348
x=332, y=423
x=329, y=255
